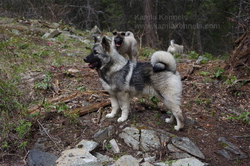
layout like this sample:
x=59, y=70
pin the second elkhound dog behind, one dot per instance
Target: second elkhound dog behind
x=124, y=79
x=175, y=48
x=125, y=44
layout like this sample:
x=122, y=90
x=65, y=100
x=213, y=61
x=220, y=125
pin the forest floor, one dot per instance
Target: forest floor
x=215, y=104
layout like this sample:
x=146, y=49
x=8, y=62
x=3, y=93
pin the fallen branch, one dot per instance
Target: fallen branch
x=90, y=108
x=63, y=99
x=37, y=107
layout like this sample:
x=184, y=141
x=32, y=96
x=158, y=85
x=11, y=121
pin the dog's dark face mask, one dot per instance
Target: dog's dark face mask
x=98, y=57
x=119, y=38
x=93, y=60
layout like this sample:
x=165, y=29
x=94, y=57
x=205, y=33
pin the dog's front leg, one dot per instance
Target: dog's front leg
x=114, y=105
x=124, y=103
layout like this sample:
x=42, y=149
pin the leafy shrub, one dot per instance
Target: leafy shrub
x=13, y=126
x=46, y=83
x=218, y=73
x=208, y=56
x=193, y=55
x=154, y=100
x=230, y=80
x=204, y=73
x=23, y=128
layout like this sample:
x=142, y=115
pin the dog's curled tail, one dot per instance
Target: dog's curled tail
x=172, y=43
x=162, y=60
x=129, y=33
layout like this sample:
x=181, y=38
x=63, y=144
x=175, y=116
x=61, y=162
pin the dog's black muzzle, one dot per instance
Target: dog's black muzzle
x=118, y=41
x=94, y=61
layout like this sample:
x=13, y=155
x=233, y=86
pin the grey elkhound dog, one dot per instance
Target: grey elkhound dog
x=124, y=79
x=125, y=44
x=175, y=48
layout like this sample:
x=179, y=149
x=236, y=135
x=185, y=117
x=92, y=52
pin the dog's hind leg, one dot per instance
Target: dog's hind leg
x=176, y=113
x=114, y=105
x=179, y=119
x=172, y=103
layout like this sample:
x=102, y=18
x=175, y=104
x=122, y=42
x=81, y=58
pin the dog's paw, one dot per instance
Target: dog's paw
x=121, y=119
x=169, y=120
x=177, y=128
x=110, y=115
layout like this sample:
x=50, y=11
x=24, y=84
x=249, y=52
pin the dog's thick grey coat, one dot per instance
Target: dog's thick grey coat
x=124, y=79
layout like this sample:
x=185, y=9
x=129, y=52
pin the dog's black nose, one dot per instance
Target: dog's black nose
x=85, y=59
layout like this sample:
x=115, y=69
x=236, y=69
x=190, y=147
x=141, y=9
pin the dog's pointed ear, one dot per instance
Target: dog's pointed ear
x=96, y=40
x=105, y=44
x=115, y=33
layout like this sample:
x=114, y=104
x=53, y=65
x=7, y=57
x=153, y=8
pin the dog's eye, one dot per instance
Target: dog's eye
x=95, y=52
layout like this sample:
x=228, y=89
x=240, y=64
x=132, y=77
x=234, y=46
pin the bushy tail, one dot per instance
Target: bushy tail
x=172, y=43
x=162, y=60
x=128, y=33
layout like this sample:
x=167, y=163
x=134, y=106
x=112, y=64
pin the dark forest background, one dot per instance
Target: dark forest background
x=200, y=25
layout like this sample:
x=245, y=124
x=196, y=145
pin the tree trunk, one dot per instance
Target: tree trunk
x=198, y=28
x=240, y=57
x=198, y=38
x=150, y=35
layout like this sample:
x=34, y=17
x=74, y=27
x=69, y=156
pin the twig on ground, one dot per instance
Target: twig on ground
x=244, y=136
x=100, y=110
x=197, y=83
x=239, y=80
x=48, y=135
x=26, y=157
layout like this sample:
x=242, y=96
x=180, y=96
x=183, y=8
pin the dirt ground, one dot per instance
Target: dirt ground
x=206, y=105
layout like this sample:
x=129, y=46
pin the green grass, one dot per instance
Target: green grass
x=22, y=53
x=243, y=117
x=12, y=115
x=193, y=55
x=146, y=52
